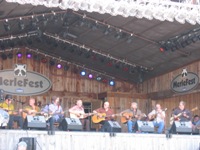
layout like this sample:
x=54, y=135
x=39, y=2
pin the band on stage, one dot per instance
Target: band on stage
x=54, y=113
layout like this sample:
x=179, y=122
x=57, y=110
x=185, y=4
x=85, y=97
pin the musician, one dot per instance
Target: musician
x=9, y=107
x=159, y=118
x=132, y=115
x=181, y=113
x=195, y=119
x=31, y=108
x=107, y=110
x=77, y=111
x=55, y=110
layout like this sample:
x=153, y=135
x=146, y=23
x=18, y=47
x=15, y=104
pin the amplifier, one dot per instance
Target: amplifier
x=145, y=126
x=71, y=124
x=37, y=122
x=111, y=126
x=182, y=127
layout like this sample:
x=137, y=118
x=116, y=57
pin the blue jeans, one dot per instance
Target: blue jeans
x=130, y=125
x=160, y=126
x=52, y=120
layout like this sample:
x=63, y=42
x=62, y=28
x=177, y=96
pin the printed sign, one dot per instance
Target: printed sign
x=32, y=83
x=186, y=83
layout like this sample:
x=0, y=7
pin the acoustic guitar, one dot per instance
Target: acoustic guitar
x=152, y=117
x=25, y=113
x=175, y=118
x=128, y=116
x=80, y=115
x=101, y=117
x=47, y=116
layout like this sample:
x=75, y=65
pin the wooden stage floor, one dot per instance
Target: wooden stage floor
x=65, y=140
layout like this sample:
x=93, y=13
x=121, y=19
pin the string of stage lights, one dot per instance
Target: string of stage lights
x=61, y=64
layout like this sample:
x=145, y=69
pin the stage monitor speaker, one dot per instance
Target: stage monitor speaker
x=73, y=124
x=30, y=141
x=35, y=122
x=182, y=127
x=145, y=126
x=111, y=126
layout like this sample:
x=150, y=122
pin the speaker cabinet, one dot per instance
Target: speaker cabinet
x=145, y=126
x=111, y=126
x=73, y=124
x=30, y=141
x=184, y=127
x=35, y=122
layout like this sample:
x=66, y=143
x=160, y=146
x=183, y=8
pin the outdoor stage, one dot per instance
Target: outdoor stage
x=65, y=140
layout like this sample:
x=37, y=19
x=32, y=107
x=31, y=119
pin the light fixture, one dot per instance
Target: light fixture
x=83, y=73
x=19, y=55
x=21, y=24
x=44, y=60
x=111, y=82
x=59, y=65
x=6, y=25
x=52, y=62
x=3, y=56
x=98, y=78
x=90, y=76
x=28, y=55
x=10, y=55
x=66, y=67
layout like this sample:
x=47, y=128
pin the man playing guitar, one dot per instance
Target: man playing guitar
x=159, y=118
x=104, y=110
x=14, y=115
x=182, y=114
x=55, y=111
x=77, y=111
x=131, y=116
x=31, y=108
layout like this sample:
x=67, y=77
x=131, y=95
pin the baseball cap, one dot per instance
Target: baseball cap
x=8, y=97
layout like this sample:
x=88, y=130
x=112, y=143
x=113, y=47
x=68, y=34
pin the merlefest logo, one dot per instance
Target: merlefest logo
x=22, y=82
x=185, y=82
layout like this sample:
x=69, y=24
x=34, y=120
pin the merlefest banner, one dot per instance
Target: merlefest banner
x=22, y=82
x=184, y=83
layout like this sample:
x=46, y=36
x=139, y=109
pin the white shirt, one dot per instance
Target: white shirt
x=158, y=116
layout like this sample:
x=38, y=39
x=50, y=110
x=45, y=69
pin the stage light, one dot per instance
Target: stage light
x=6, y=25
x=3, y=56
x=28, y=55
x=90, y=76
x=52, y=62
x=111, y=83
x=19, y=55
x=162, y=49
x=104, y=80
x=83, y=73
x=10, y=55
x=44, y=60
x=98, y=78
x=66, y=67
x=21, y=24
x=59, y=65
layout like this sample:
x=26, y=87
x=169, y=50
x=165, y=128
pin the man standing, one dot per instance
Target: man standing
x=77, y=111
x=14, y=115
x=131, y=116
x=159, y=118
